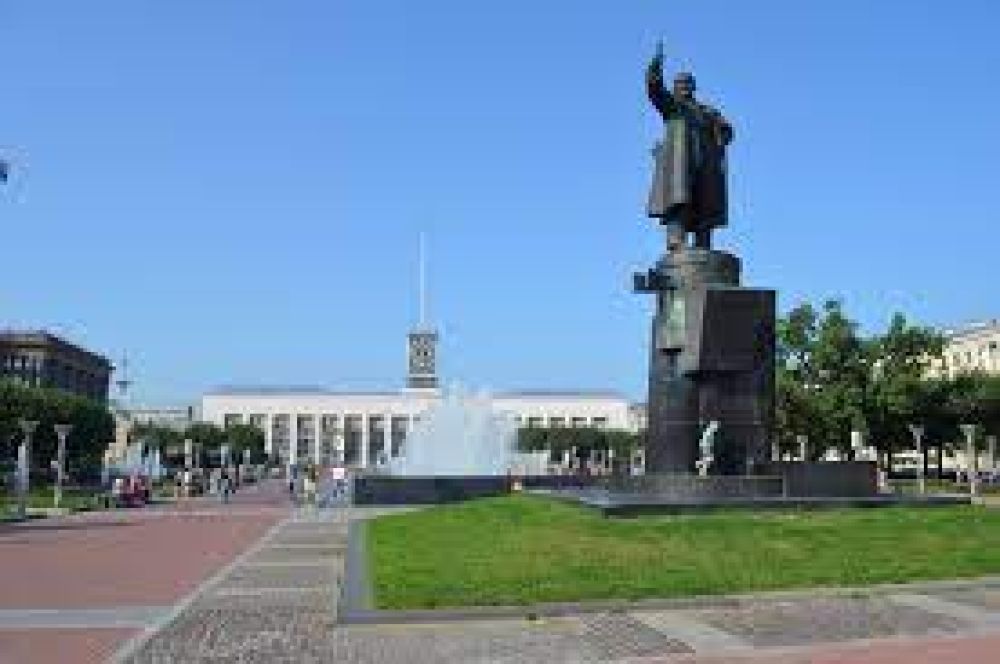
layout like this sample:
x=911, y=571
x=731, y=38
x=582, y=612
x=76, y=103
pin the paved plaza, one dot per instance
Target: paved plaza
x=77, y=588
x=259, y=581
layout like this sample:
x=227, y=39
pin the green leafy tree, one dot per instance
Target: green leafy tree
x=559, y=440
x=821, y=378
x=839, y=361
x=166, y=439
x=795, y=375
x=899, y=392
x=990, y=397
x=208, y=439
x=93, y=426
x=246, y=437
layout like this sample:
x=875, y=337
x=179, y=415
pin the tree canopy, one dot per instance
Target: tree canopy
x=93, y=425
x=561, y=439
x=832, y=380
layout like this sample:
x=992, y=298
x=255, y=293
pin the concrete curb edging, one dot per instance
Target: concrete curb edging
x=356, y=596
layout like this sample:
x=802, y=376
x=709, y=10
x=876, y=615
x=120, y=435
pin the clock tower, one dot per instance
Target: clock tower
x=421, y=343
x=422, y=359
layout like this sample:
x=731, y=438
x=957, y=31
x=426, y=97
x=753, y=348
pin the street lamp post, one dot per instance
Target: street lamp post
x=62, y=431
x=970, y=457
x=991, y=456
x=918, y=437
x=857, y=445
x=23, y=466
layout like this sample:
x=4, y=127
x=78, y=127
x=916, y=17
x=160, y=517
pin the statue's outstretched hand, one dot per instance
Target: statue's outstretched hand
x=658, y=95
x=657, y=61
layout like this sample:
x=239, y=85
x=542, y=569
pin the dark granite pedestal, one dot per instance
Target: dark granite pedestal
x=711, y=358
x=786, y=485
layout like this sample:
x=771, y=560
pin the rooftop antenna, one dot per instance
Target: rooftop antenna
x=124, y=382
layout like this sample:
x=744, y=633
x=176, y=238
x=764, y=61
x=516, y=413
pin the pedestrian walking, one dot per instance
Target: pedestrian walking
x=339, y=476
x=224, y=485
x=309, y=488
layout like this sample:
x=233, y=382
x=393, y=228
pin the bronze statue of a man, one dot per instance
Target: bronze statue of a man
x=689, y=185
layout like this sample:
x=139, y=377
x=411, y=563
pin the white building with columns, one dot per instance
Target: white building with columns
x=362, y=429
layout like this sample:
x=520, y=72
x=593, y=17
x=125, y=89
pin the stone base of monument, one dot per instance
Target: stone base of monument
x=781, y=484
x=790, y=485
x=636, y=505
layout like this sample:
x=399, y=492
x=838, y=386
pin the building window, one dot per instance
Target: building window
x=377, y=448
x=352, y=439
x=398, y=435
x=280, y=428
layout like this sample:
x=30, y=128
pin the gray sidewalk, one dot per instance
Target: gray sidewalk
x=280, y=604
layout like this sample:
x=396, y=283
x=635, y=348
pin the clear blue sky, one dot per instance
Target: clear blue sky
x=232, y=190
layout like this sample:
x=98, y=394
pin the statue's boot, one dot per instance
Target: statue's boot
x=675, y=236
x=703, y=239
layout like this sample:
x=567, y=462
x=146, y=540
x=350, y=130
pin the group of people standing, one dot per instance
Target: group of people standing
x=221, y=482
x=317, y=486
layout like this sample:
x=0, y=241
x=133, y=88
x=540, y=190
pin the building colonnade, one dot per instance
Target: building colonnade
x=359, y=440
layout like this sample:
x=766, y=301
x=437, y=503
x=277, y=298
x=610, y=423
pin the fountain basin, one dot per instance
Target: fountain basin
x=429, y=490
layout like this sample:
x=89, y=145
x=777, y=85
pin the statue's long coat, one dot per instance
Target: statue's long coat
x=689, y=183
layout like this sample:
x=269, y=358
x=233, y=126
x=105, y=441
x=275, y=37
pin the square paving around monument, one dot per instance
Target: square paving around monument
x=522, y=551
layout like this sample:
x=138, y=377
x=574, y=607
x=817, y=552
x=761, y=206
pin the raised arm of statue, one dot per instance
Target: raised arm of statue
x=659, y=96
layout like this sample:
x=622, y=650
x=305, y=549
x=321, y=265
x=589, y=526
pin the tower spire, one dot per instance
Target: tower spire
x=124, y=382
x=422, y=278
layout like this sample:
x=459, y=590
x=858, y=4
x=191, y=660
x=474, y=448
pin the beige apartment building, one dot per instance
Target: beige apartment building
x=974, y=347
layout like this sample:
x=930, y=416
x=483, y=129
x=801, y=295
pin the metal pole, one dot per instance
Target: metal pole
x=803, y=442
x=970, y=458
x=62, y=431
x=24, y=466
x=918, y=435
x=991, y=455
x=857, y=444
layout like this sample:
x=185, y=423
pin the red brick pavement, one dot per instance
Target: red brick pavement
x=59, y=646
x=141, y=557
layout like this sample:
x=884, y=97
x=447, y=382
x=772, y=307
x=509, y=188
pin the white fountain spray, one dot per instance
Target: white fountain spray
x=460, y=436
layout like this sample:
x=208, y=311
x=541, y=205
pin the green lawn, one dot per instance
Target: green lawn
x=523, y=549
x=72, y=499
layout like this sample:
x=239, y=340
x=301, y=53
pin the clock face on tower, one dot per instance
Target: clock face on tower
x=422, y=351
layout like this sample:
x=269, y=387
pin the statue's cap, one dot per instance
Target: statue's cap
x=685, y=76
